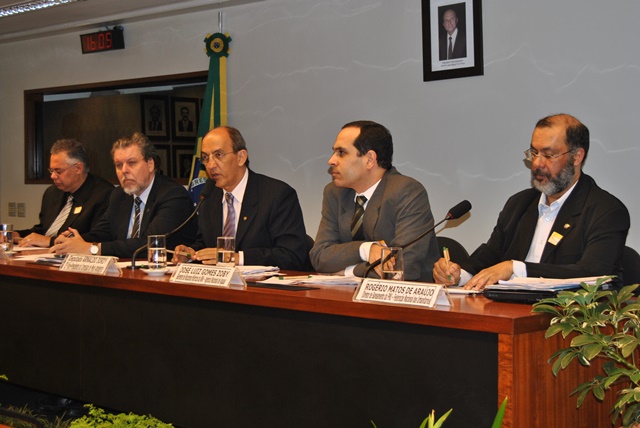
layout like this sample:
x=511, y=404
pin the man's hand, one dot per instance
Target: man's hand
x=179, y=254
x=208, y=256
x=71, y=242
x=490, y=275
x=34, y=240
x=446, y=273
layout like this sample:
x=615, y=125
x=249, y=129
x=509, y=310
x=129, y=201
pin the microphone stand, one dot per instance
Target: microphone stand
x=422, y=235
x=184, y=223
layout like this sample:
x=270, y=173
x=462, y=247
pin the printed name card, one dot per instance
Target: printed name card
x=97, y=265
x=401, y=293
x=208, y=275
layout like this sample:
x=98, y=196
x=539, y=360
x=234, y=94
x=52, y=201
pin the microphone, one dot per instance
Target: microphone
x=454, y=213
x=207, y=190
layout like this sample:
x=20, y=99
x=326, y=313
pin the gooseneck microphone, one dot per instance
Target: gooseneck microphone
x=454, y=213
x=207, y=190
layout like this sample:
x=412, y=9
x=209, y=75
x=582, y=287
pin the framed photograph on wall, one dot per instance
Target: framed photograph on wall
x=451, y=39
x=182, y=158
x=155, y=117
x=185, y=113
x=165, y=158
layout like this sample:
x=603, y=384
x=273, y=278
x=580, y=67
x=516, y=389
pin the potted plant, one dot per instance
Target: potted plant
x=603, y=324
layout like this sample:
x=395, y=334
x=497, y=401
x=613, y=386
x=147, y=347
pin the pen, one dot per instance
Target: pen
x=180, y=253
x=294, y=277
x=445, y=250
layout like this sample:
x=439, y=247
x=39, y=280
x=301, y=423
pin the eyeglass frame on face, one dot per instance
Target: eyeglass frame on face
x=60, y=171
x=530, y=155
x=217, y=156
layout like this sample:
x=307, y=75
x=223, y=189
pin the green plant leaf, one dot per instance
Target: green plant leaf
x=497, y=422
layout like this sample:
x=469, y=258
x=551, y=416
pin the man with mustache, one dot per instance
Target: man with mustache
x=146, y=203
x=564, y=227
x=395, y=208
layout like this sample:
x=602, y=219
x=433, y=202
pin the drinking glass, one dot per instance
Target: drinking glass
x=226, y=251
x=157, y=251
x=6, y=237
x=392, y=263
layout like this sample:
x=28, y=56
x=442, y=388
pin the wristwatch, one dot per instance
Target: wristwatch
x=95, y=249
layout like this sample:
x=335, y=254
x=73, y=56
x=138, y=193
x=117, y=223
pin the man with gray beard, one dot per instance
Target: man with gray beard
x=564, y=227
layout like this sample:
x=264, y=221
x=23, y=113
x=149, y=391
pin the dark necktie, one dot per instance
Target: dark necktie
x=135, y=230
x=230, y=223
x=450, y=53
x=62, y=217
x=357, y=232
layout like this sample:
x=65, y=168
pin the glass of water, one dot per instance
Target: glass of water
x=226, y=251
x=157, y=251
x=6, y=237
x=392, y=263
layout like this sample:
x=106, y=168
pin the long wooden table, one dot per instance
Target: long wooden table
x=204, y=357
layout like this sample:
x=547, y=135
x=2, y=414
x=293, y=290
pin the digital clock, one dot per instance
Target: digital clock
x=101, y=41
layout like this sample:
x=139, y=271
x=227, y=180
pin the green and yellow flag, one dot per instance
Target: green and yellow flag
x=214, y=105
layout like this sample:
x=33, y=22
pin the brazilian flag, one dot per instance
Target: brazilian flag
x=214, y=105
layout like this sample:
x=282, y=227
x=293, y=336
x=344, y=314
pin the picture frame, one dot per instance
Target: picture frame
x=154, y=113
x=182, y=160
x=460, y=56
x=185, y=113
x=164, y=152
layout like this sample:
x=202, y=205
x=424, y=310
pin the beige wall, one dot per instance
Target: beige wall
x=299, y=69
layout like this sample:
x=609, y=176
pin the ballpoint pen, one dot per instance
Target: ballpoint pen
x=445, y=251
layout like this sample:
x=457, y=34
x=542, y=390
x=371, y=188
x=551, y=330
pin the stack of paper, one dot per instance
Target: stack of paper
x=550, y=284
x=313, y=279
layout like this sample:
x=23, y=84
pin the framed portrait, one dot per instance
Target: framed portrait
x=165, y=158
x=184, y=114
x=451, y=39
x=155, y=117
x=182, y=159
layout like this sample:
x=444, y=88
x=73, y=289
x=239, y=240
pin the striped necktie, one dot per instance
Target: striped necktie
x=450, y=52
x=357, y=232
x=62, y=217
x=135, y=230
x=230, y=222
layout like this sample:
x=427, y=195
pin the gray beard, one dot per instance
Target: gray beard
x=556, y=185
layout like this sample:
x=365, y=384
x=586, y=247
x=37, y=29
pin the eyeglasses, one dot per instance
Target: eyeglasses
x=216, y=156
x=530, y=155
x=60, y=171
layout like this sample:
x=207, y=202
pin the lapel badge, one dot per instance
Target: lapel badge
x=567, y=225
x=244, y=218
x=77, y=210
x=555, y=238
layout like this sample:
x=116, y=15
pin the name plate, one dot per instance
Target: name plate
x=208, y=275
x=401, y=293
x=96, y=265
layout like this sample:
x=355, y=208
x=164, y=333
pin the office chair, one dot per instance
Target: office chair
x=631, y=266
x=456, y=251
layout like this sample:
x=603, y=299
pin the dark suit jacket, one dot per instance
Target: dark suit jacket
x=459, y=48
x=593, y=225
x=397, y=212
x=271, y=229
x=90, y=203
x=167, y=207
x=188, y=128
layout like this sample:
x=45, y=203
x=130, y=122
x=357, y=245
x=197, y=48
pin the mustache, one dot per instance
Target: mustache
x=539, y=171
x=330, y=170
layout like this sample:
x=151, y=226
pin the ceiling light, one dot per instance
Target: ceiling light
x=30, y=6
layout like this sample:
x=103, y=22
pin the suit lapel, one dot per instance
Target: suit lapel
x=250, y=204
x=347, y=209
x=567, y=217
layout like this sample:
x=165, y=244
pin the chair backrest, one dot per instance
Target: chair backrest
x=630, y=266
x=456, y=251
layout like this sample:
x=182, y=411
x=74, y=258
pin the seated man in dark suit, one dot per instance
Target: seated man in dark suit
x=77, y=197
x=147, y=203
x=564, y=227
x=396, y=208
x=262, y=213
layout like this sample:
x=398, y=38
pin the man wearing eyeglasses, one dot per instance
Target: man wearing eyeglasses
x=564, y=227
x=77, y=197
x=146, y=203
x=262, y=213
